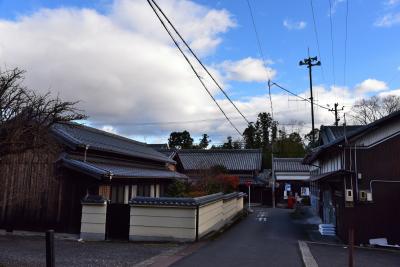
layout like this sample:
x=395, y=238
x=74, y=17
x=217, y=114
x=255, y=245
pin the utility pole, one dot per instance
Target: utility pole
x=335, y=109
x=310, y=63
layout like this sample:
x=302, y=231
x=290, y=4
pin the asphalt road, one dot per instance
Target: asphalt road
x=268, y=237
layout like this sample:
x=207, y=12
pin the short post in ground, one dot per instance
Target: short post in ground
x=50, y=260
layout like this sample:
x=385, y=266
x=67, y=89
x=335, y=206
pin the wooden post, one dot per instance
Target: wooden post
x=50, y=261
x=351, y=246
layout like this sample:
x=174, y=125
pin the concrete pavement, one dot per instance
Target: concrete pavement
x=328, y=255
x=267, y=237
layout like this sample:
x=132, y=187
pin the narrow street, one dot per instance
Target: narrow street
x=267, y=237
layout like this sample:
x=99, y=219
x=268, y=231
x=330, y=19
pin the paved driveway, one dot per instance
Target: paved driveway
x=268, y=237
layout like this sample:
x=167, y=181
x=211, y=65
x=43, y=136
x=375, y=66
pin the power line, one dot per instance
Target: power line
x=198, y=121
x=198, y=60
x=192, y=67
x=317, y=38
x=345, y=43
x=298, y=96
x=332, y=50
x=262, y=56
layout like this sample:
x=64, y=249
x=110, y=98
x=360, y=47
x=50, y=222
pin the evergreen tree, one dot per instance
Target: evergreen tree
x=204, y=141
x=180, y=140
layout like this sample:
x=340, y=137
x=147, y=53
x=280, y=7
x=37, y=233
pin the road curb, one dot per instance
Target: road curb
x=171, y=256
x=306, y=255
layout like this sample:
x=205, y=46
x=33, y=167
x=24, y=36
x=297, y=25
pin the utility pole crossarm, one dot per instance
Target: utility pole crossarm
x=311, y=62
x=336, y=110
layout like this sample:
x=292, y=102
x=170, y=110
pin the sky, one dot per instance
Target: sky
x=117, y=60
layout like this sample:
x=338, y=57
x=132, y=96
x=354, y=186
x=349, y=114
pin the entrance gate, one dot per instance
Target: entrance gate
x=117, y=221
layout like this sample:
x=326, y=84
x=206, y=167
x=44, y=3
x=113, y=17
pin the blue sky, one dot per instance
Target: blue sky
x=286, y=32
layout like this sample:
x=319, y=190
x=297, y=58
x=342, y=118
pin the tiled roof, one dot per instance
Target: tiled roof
x=170, y=153
x=80, y=135
x=313, y=155
x=289, y=165
x=101, y=170
x=158, y=146
x=182, y=201
x=330, y=133
x=232, y=159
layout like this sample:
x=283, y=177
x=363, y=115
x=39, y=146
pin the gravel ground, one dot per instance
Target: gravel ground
x=30, y=251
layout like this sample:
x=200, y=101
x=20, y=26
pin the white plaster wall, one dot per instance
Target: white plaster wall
x=93, y=221
x=211, y=217
x=379, y=134
x=229, y=209
x=162, y=223
x=239, y=204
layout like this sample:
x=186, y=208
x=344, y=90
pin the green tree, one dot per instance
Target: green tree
x=249, y=136
x=228, y=144
x=265, y=135
x=178, y=189
x=290, y=146
x=180, y=140
x=204, y=142
x=309, y=140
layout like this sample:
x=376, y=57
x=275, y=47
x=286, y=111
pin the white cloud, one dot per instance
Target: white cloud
x=392, y=3
x=247, y=70
x=200, y=26
x=125, y=70
x=294, y=25
x=110, y=129
x=370, y=85
x=121, y=65
x=391, y=92
x=335, y=4
x=388, y=20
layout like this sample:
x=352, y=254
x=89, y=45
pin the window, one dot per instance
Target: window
x=117, y=193
x=143, y=190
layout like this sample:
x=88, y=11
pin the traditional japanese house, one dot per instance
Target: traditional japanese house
x=43, y=189
x=244, y=163
x=291, y=178
x=355, y=180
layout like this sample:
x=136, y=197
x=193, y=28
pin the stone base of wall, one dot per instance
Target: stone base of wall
x=93, y=236
x=139, y=238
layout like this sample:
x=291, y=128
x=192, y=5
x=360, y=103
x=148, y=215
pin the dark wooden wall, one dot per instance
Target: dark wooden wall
x=36, y=195
x=381, y=218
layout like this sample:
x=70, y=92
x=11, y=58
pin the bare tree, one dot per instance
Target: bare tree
x=25, y=121
x=365, y=111
x=25, y=116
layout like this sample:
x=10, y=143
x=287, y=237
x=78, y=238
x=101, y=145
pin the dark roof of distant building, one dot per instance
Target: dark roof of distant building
x=231, y=159
x=312, y=156
x=289, y=165
x=115, y=170
x=331, y=133
x=78, y=135
x=158, y=146
x=170, y=153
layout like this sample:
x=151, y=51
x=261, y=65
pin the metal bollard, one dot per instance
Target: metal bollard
x=50, y=261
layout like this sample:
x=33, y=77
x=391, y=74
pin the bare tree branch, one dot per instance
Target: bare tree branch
x=25, y=116
x=369, y=110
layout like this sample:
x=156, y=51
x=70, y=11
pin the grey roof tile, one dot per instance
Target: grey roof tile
x=232, y=159
x=81, y=135
x=331, y=133
x=100, y=170
x=289, y=165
